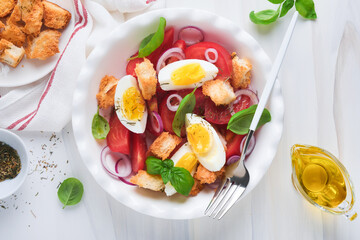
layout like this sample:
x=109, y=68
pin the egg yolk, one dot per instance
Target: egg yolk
x=188, y=74
x=133, y=106
x=199, y=138
x=188, y=161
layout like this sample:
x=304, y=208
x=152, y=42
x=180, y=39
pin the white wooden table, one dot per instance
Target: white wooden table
x=320, y=84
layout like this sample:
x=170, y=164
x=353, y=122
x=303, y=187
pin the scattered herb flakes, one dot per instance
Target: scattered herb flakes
x=10, y=164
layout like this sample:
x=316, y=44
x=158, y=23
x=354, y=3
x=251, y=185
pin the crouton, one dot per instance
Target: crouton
x=10, y=54
x=106, y=94
x=6, y=6
x=206, y=176
x=43, y=46
x=55, y=16
x=220, y=91
x=164, y=145
x=146, y=76
x=15, y=16
x=32, y=12
x=13, y=34
x=241, y=72
x=197, y=187
x=2, y=26
x=148, y=181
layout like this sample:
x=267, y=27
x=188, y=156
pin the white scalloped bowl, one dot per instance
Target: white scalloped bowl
x=110, y=58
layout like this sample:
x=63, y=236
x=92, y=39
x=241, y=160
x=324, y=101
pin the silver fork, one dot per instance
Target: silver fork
x=233, y=185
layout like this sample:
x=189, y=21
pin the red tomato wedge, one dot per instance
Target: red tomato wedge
x=118, y=138
x=233, y=146
x=224, y=64
x=138, y=153
x=155, y=55
x=180, y=44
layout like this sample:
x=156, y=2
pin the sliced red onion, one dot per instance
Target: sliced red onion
x=121, y=161
x=250, y=147
x=232, y=159
x=156, y=122
x=171, y=107
x=191, y=35
x=207, y=56
x=247, y=92
x=124, y=179
x=172, y=52
x=215, y=184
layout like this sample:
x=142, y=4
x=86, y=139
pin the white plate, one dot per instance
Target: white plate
x=110, y=56
x=31, y=70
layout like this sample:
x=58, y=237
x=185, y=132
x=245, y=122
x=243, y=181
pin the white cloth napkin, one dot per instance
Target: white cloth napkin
x=45, y=105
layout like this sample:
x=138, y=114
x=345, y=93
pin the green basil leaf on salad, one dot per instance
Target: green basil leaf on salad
x=168, y=163
x=265, y=16
x=276, y=1
x=181, y=180
x=100, y=126
x=154, y=165
x=186, y=105
x=152, y=41
x=306, y=8
x=166, y=175
x=240, y=122
x=70, y=192
x=286, y=6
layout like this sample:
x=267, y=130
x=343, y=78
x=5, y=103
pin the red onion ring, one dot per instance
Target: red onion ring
x=215, y=184
x=173, y=108
x=207, y=57
x=120, y=158
x=247, y=92
x=172, y=52
x=156, y=122
x=121, y=178
x=250, y=147
x=191, y=35
x=232, y=159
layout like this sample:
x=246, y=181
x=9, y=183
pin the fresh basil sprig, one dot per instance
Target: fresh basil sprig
x=100, y=126
x=240, y=122
x=179, y=177
x=152, y=41
x=186, y=105
x=70, y=192
x=306, y=8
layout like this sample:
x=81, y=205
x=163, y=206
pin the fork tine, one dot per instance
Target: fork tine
x=220, y=196
x=217, y=192
x=227, y=196
x=236, y=195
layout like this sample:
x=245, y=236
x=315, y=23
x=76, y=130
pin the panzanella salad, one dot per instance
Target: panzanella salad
x=179, y=116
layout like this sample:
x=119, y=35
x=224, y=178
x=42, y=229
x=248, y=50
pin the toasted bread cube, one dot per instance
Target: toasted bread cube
x=197, y=187
x=55, y=16
x=146, y=76
x=106, y=92
x=32, y=12
x=164, y=145
x=43, y=46
x=206, y=176
x=10, y=54
x=220, y=91
x=15, y=16
x=6, y=6
x=13, y=34
x=148, y=181
x=241, y=72
x=2, y=26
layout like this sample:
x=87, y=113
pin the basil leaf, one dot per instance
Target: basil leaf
x=168, y=163
x=240, y=122
x=166, y=174
x=154, y=165
x=70, y=192
x=286, y=6
x=100, y=126
x=265, y=16
x=186, y=105
x=181, y=180
x=276, y=1
x=152, y=41
x=306, y=8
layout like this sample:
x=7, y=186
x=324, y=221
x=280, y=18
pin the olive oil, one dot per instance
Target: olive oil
x=322, y=180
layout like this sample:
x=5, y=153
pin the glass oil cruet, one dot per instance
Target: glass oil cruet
x=322, y=180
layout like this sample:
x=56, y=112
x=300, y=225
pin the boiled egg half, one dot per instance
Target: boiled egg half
x=130, y=106
x=185, y=158
x=184, y=74
x=205, y=142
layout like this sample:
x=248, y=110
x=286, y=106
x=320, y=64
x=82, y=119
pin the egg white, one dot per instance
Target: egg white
x=124, y=83
x=166, y=83
x=215, y=158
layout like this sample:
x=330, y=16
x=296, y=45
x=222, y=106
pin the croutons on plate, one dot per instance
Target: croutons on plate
x=43, y=46
x=146, y=76
x=32, y=14
x=106, y=92
x=55, y=16
x=10, y=54
x=164, y=145
x=148, y=181
x=206, y=176
x=220, y=91
x=6, y=6
x=13, y=34
x=241, y=72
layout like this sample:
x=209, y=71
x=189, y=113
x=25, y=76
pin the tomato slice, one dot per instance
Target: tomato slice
x=130, y=67
x=233, y=146
x=180, y=44
x=224, y=64
x=200, y=100
x=138, y=153
x=118, y=138
x=167, y=116
x=222, y=114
